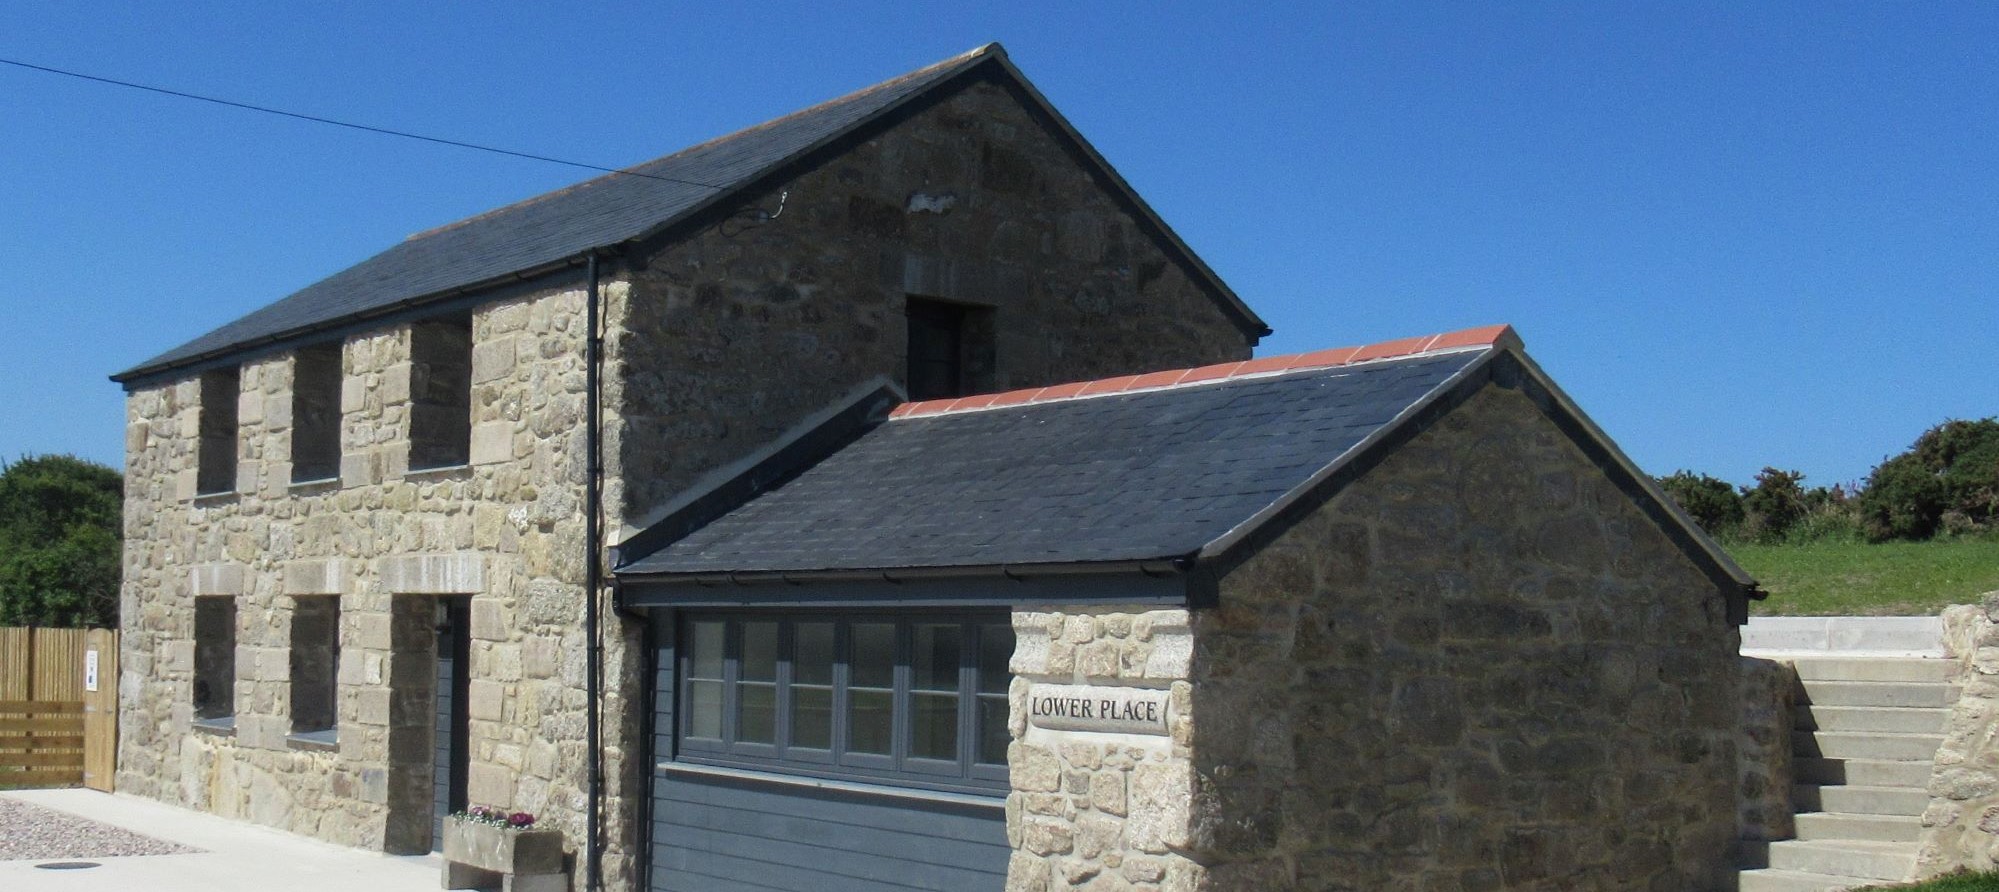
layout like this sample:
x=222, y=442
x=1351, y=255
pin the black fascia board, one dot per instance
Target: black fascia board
x=1149, y=583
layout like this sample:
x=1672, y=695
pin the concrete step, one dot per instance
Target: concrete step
x=1874, y=669
x=1875, y=828
x=1846, y=858
x=1864, y=772
x=1770, y=879
x=1860, y=800
x=1877, y=693
x=1900, y=719
x=1866, y=745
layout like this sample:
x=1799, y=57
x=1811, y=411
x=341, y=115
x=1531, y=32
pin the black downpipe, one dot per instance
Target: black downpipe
x=593, y=583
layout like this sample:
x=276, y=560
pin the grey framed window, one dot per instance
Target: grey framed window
x=914, y=699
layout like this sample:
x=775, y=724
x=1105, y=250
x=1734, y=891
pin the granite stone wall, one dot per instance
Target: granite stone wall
x=1092, y=810
x=504, y=531
x=1764, y=752
x=1961, y=825
x=1478, y=667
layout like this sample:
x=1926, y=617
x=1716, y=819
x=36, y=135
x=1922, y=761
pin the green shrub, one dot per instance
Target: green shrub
x=1947, y=481
x=59, y=548
x=1774, y=505
x=1711, y=502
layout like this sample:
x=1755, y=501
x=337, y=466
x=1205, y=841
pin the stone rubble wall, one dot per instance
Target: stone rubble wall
x=1763, y=750
x=1961, y=825
x=506, y=530
x=1478, y=667
x=1092, y=810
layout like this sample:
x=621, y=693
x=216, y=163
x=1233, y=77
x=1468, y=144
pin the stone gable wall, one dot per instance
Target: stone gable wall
x=1478, y=667
x=737, y=331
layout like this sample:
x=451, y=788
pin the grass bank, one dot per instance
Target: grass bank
x=1831, y=578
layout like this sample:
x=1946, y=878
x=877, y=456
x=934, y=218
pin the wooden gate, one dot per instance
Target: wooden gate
x=58, y=707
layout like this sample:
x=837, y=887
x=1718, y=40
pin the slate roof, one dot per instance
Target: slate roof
x=1140, y=468
x=608, y=210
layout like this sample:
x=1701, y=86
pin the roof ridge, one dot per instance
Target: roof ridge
x=1483, y=337
x=639, y=169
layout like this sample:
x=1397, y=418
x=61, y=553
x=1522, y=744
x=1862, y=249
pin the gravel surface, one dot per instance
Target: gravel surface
x=33, y=833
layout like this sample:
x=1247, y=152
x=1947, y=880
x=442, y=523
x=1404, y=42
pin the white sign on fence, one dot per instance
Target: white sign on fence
x=90, y=670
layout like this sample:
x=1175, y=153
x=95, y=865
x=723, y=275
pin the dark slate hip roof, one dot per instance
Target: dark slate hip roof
x=560, y=226
x=1130, y=476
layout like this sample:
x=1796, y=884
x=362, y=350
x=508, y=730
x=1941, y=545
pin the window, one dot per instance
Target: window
x=316, y=413
x=441, y=392
x=315, y=664
x=215, y=660
x=919, y=700
x=950, y=349
x=216, y=453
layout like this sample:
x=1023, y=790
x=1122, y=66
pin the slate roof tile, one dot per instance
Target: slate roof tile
x=1123, y=469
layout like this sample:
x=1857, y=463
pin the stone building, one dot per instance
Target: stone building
x=593, y=506
x=1396, y=617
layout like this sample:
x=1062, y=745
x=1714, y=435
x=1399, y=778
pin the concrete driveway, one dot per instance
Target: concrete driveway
x=232, y=857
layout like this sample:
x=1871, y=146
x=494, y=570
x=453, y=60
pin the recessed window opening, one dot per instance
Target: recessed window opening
x=216, y=452
x=950, y=350
x=215, y=659
x=316, y=379
x=913, y=700
x=441, y=392
x=315, y=664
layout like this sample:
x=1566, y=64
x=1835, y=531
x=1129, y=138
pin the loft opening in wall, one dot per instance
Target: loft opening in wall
x=316, y=413
x=951, y=349
x=441, y=392
x=220, y=389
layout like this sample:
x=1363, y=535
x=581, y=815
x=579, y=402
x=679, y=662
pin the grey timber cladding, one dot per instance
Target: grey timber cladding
x=1135, y=476
x=730, y=835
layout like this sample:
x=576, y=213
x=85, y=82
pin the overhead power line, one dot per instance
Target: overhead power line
x=348, y=124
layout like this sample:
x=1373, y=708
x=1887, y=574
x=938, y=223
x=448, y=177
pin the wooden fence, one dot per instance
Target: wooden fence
x=58, y=707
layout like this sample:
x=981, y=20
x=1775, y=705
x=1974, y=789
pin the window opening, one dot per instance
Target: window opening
x=216, y=455
x=441, y=392
x=315, y=664
x=950, y=351
x=215, y=660
x=316, y=377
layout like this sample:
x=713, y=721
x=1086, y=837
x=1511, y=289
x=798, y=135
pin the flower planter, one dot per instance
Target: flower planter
x=485, y=856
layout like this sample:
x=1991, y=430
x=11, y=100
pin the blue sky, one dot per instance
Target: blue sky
x=1738, y=234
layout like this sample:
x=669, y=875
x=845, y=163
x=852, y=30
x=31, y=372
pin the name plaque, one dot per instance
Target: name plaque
x=1078, y=707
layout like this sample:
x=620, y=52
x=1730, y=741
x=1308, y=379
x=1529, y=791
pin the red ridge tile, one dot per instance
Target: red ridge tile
x=1108, y=385
x=1484, y=336
x=1390, y=349
x=1211, y=372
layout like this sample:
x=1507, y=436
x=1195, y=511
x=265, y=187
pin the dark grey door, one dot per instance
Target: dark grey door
x=449, y=728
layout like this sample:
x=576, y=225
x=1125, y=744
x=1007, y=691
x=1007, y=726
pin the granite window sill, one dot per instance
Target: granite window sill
x=321, y=741
x=220, y=726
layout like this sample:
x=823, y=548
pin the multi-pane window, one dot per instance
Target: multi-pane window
x=911, y=699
